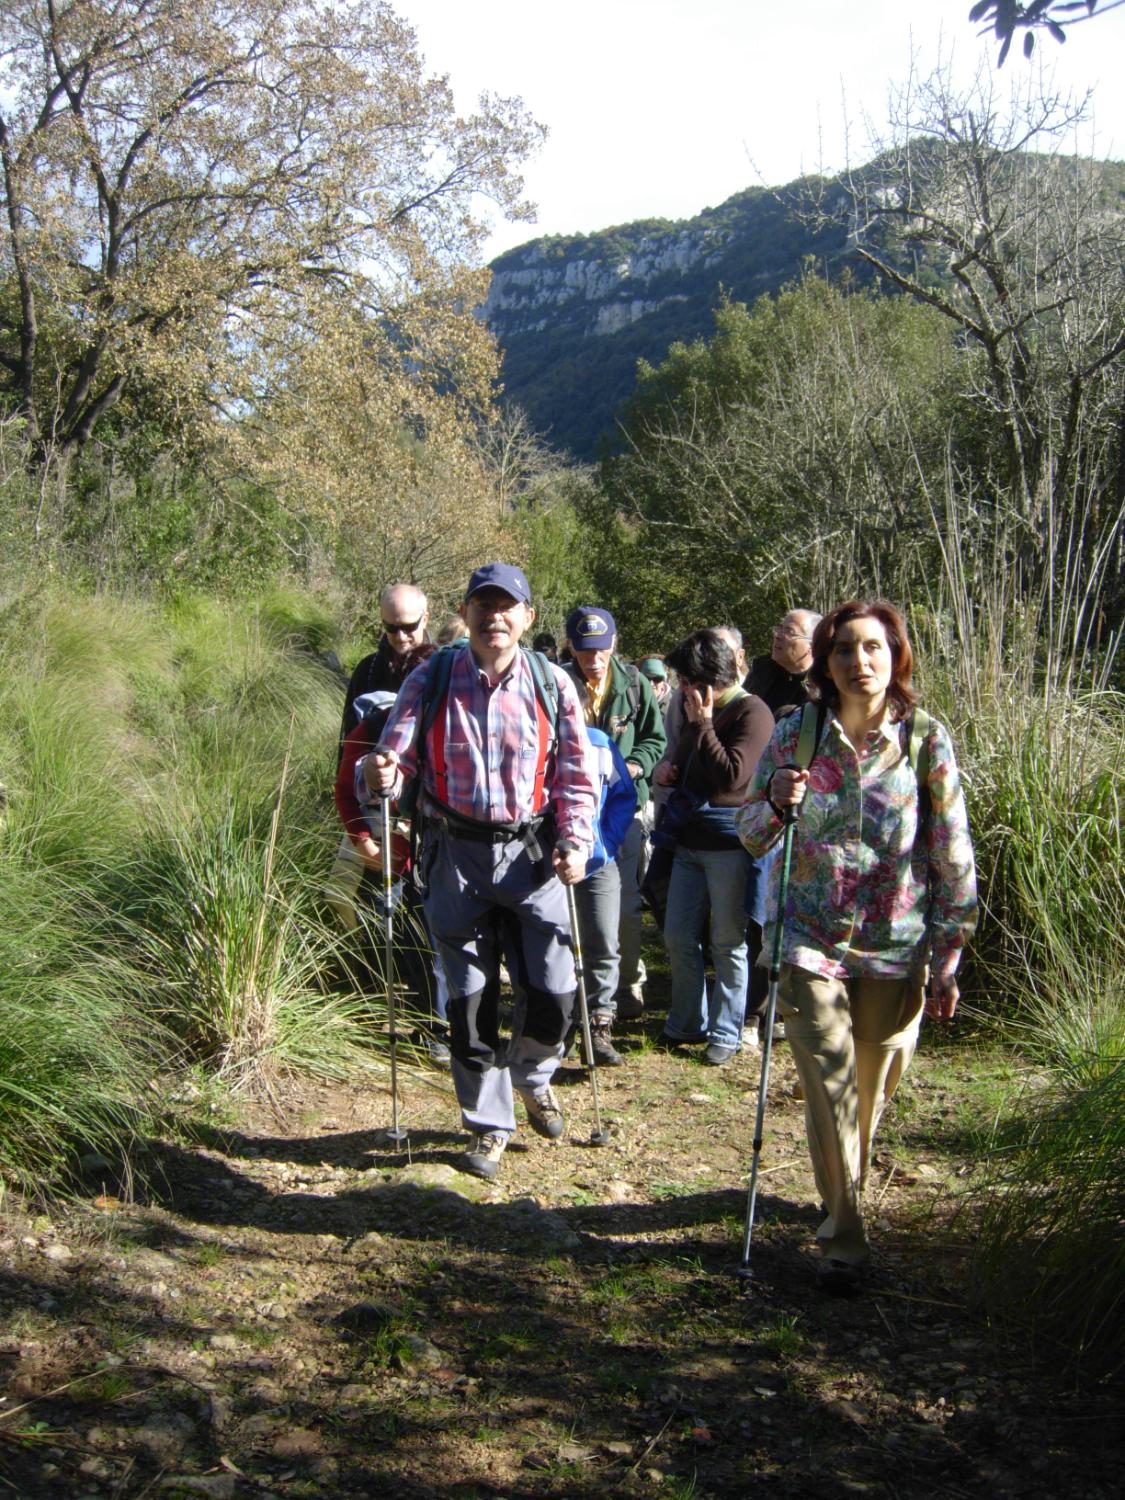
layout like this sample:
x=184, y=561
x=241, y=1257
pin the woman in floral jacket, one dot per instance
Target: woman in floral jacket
x=882, y=896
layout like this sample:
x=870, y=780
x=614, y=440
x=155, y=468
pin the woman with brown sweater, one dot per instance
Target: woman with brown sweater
x=725, y=732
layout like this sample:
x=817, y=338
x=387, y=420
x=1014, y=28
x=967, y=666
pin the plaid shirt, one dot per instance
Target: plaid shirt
x=492, y=747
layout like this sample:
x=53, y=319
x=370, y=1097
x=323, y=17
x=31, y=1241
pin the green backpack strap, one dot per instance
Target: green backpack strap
x=633, y=691
x=813, y=717
x=546, y=689
x=918, y=727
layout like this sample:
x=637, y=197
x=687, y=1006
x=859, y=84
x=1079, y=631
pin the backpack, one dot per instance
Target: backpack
x=918, y=726
x=431, y=717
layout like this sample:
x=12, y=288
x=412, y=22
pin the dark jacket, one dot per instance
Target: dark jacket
x=630, y=716
x=384, y=671
x=777, y=687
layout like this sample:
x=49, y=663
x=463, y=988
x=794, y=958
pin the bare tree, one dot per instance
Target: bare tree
x=977, y=208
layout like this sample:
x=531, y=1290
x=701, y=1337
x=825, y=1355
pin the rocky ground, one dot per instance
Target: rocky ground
x=287, y=1307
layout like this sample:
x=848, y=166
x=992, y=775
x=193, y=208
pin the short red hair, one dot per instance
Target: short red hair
x=900, y=693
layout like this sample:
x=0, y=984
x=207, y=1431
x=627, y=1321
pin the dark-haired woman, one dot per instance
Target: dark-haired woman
x=882, y=893
x=725, y=731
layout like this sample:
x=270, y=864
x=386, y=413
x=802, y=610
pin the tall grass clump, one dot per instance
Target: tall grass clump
x=170, y=826
x=1016, y=666
x=77, y=1049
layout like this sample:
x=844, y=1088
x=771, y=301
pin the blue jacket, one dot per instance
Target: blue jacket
x=617, y=798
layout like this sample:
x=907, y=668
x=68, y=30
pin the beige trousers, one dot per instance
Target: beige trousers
x=852, y=1040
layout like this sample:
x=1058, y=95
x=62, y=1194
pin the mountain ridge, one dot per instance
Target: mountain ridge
x=574, y=313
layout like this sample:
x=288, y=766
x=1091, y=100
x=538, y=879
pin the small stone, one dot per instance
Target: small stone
x=166, y=1435
x=225, y=1341
x=213, y=1486
x=57, y=1253
x=417, y=1353
x=298, y=1442
x=365, y=1317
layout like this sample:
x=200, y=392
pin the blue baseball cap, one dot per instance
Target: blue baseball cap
x=590, y=629
x=499, y=575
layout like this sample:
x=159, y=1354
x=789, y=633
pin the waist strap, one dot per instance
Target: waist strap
x=457, y=826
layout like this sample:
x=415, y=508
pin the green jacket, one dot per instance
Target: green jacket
x=630, y=716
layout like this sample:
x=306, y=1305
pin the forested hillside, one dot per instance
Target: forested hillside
x=574, y=314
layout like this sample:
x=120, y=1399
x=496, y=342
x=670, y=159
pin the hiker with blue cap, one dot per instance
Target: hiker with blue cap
x=618, y=700
x=492, y=738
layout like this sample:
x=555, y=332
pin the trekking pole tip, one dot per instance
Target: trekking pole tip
x=599, y=1138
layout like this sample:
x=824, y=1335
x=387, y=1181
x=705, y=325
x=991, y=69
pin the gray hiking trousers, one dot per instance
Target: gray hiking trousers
x=484, y=902
x=598, y=902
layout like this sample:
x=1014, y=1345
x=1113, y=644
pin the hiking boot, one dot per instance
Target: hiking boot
x=606, y=1054
x=543, y=1112
x=486, y=1148
x=630, y=1003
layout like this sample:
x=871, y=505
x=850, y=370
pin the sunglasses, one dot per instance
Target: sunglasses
x=403, y=627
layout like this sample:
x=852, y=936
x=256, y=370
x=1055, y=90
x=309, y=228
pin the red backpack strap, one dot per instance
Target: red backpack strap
x=543, y=730
x=437, y=751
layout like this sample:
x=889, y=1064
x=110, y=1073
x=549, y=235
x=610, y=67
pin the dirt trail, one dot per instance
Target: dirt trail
x=290, y=1310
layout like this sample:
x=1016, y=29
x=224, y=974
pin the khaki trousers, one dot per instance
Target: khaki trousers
x=852, y=1040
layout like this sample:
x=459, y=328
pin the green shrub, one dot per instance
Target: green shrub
x=169, y=831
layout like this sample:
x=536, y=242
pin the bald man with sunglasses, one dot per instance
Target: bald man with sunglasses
x=405, y=614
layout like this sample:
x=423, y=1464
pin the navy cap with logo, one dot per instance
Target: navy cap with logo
x=590, y=629
x=499, y=576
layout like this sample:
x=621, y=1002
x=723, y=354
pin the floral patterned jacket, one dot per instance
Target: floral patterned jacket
x=866, y=897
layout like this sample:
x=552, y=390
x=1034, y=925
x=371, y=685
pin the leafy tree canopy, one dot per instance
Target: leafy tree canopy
x=177, y=176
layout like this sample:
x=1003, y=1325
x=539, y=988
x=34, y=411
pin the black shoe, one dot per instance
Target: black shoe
x=838, y=1278
x=668, y=1040
x=606, y=1054
x=630, y=1003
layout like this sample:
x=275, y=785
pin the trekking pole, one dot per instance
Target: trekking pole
x=396, y=1135
x=790, y=820
x=598, y=1136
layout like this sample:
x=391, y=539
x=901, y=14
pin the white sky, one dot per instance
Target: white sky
x=660, y=108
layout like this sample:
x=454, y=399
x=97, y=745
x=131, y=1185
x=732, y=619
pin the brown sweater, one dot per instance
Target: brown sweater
x=726, y=752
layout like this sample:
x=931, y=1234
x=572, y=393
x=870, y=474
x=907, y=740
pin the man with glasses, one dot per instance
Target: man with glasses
x=506, y=808
x=779, y=678
x=405, y=615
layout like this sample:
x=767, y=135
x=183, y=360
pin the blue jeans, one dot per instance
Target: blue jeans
x=699, y=877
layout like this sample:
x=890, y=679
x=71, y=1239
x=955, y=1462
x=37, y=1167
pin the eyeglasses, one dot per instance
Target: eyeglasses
x=403, y=627
x=787, y=633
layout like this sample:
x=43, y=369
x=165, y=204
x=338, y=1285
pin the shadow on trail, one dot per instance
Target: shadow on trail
x=216, y=1194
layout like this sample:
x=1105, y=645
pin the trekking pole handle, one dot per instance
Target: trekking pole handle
x=792, y=810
